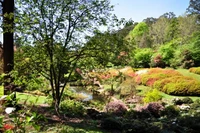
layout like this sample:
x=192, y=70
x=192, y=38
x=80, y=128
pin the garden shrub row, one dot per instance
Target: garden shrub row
x=178, y=85
x=170, y=82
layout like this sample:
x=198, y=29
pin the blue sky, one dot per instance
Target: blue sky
x=141, y=9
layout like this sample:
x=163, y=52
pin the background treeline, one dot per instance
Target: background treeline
x=167, y=41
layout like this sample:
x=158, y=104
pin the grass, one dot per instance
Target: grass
x=186, y=72
x=29, y=97
x=71, y=128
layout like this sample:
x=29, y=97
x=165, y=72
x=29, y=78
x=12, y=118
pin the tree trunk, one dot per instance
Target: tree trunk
x=8, y=41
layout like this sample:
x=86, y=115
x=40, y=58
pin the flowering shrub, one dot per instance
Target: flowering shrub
x=155, y=109
x=116, y=107
x=156, y=74
x=157, y=61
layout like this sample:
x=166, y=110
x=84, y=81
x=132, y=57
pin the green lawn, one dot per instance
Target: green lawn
x=186, y=72
x=29, y=97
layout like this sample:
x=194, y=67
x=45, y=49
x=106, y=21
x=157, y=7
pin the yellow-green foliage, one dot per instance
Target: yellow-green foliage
x=159, y=84
x=1, y=90
x=178, y=85
x=72, y=108
x=195, y=70
x=182, y=88
x=152, y=96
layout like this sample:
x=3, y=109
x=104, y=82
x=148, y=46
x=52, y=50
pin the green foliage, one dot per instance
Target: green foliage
x=194, y=49
x=72, y=108
x=152, y=96
x=171, y=111
x=167, y=52
x=58, y=44
x=141, y=57
x=22, y=118
x=139, y=30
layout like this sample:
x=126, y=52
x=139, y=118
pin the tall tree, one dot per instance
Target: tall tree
x=194, y=7
x=8, y=41
x=187, y=25
x=57, y=29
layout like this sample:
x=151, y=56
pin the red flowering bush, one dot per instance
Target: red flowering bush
x=156, y=74
x=157, y=61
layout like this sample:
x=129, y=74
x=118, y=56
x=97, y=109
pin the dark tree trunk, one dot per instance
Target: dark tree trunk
x=8, y=41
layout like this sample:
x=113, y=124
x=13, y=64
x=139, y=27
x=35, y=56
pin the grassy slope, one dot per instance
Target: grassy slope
x=186, y=72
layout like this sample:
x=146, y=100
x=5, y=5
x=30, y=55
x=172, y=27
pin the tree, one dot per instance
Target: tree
x=187, y=25
x=140, y=35
x=8, y=41
x=58, y=29
x=194, y=7
x=159, y=30
x=150, y=20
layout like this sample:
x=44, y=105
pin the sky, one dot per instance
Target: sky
x=138, y=10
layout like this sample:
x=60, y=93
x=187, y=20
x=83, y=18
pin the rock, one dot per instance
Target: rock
x=9, y=110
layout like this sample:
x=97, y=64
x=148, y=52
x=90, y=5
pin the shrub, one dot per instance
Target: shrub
x=127, y=87
x=195, y=70
x=111, y=123
x=142, y=57
x=183, y=88
x=157, y=61
x=171, y=111
x=151, y=109
x=152, y=96
x=157, y=74
x=187, y=100
x=161, y=83
x=155, y=109
x=167, y=52
x=116, y=107
x=72, y=108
